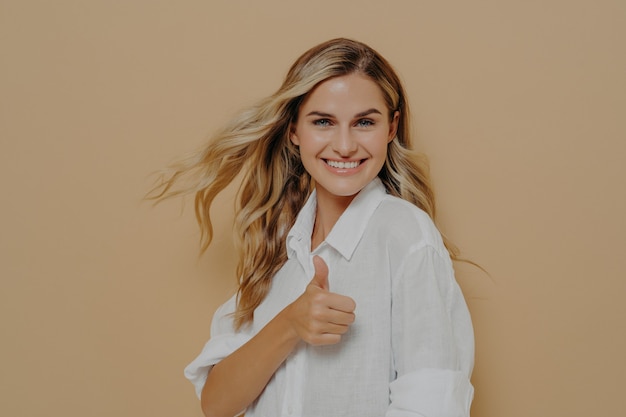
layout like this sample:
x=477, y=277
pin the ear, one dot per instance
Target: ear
x=293, y=137
x=393, y=126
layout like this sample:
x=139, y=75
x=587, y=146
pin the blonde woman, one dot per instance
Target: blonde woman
x=347, y=302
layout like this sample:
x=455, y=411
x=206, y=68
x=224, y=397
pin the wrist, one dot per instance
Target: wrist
x=285, y=327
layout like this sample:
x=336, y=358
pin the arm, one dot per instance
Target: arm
x=237, y=380
x=318, y=317
x=432, y=339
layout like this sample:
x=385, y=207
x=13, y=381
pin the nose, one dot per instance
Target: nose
x=344, y=143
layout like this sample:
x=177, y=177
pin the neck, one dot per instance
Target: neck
x=329, y=209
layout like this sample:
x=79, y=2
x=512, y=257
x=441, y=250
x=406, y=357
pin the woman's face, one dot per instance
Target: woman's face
x=343, y=129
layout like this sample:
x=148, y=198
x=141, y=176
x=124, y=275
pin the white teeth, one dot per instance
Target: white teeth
x=343, y=165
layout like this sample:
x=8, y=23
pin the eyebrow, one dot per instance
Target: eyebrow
x=362, y=114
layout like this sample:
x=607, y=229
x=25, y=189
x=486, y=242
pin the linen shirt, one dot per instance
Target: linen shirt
x=410, y=351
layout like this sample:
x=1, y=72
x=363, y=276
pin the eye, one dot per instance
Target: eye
x=365, y=122
x=322, y=122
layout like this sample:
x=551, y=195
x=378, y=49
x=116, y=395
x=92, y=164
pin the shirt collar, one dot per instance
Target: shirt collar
x=347, y=232
x=299, y=237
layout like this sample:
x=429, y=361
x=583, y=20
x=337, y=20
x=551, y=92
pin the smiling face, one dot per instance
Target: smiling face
x=343, y=129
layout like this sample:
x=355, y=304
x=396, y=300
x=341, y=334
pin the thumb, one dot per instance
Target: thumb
x=321, y=273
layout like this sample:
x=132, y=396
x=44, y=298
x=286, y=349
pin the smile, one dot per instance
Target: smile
x=343, y=165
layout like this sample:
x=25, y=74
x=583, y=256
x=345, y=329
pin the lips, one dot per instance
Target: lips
x=342, y=164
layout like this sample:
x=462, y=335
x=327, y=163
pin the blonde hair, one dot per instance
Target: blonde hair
x=274, y=183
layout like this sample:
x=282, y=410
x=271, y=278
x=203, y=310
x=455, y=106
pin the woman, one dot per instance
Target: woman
x=347, y=303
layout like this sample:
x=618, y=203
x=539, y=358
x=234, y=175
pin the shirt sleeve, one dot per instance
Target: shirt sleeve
x=432, y=339
x=224, y=341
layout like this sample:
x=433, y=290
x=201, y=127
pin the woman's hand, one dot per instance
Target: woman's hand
x=318, y=316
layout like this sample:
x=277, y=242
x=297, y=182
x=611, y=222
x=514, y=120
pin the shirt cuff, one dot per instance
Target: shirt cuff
x=214, y=351
x=431, y=393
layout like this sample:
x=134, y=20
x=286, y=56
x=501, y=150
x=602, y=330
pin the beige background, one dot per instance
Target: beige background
x=520, y=105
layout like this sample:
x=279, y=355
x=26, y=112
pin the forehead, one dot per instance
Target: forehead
x=345, y=93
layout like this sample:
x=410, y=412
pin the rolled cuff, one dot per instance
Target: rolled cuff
x=214, y=351
x=431, y=393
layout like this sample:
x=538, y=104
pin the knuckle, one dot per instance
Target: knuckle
x=318, y=312
x=318, y=297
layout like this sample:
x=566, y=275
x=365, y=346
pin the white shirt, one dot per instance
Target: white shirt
x=410, y=351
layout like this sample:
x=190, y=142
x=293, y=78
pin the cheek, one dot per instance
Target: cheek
x=309, y=149
x=311, y=141
x=378, y=145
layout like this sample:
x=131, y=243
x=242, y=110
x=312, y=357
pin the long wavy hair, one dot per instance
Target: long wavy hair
x=274, y=184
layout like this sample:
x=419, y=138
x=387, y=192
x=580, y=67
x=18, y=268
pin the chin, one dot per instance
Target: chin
x=346, y=192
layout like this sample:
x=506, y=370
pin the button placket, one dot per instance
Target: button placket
x=292, y=401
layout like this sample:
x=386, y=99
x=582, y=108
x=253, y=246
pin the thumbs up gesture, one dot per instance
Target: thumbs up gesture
x=320, y=279
x=318, y=316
